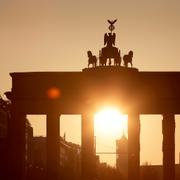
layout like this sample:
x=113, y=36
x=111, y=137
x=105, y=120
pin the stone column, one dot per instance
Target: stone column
x=53, y=146
x=133, y=146
x=16, y=145
x=168, y=130
x=88, y=165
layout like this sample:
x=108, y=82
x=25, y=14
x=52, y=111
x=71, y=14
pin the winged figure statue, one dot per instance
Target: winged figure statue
x=111, y=22
x=109, y=39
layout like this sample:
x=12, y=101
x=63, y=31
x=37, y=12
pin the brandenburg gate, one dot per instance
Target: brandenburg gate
x=84, y=92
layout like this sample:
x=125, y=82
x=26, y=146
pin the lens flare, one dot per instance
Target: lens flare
x=53, y=93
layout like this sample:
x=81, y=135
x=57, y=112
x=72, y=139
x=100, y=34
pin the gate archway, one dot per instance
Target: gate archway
x=82, y=93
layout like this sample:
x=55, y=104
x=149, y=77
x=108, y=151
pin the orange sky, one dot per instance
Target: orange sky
x=42, y=35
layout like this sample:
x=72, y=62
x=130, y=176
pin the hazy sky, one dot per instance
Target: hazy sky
x=54, y=35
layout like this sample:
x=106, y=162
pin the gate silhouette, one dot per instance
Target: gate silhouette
x=57, y=93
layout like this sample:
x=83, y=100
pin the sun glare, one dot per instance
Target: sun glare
x=110, y=122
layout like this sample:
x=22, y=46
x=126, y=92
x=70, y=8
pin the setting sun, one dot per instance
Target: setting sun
x=110, y=122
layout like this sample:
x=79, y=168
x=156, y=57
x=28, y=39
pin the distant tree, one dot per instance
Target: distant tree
x=148, y=172
x=5, y=104
x=4, y=116
x=108, y=173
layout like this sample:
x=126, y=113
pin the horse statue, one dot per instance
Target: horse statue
x=128, y=59
x=104, y=56
x=92, y=59
x=102, y=60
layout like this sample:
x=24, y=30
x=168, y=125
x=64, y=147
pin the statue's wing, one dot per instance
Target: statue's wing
x=114, y=21
x=110, y=22
x=105, y=38
x=113, y=38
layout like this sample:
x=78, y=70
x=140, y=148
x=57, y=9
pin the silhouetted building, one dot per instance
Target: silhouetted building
x=122, y=156
x=69, y=154
x=155, y=172
x=5, y=116
x=147, y=171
